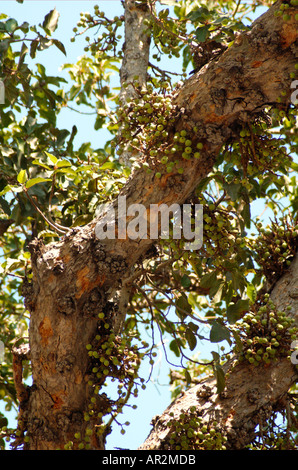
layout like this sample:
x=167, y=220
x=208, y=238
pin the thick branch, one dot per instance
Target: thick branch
x=74, y=279
x=217, y=101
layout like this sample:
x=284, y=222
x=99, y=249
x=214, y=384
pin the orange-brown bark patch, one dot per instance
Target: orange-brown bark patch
x=57, y=399
x=256, y=64
x=289, y=35
x=164, y=179
x=85, y=284
x=66, y=258
x=78, y=377
x=45, y=330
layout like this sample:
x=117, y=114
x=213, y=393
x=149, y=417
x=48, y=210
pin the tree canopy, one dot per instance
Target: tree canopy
x=204, y=112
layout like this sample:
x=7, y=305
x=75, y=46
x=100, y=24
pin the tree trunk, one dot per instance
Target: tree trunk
x=81, y=277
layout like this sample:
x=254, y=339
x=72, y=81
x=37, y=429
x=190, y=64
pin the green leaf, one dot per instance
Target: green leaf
x=60, y=46
x=11, y=264
x=109, y=166
x=23, y=52
x=174, y=347
x=82, y=220
x=8, y=188
x=202, y=33
x=4, y=45
x=216, y=356
x=219, y=333
x=235, y=311
x=185, y=281
x=208, y=280
x=33, y=48
x=192, y=300
x=25, y=27
x=48, y=234
x=22, y=177
x=187, y=376
x=199, y=14
x=233, y=190
x=37, y=180
x=218, y=372
x=251, y=292
x=194, y=326
x=44, y=43
x=220, y=20
x=11, y=25
x=50, y=22
x=37, y=162
x=67, y=171
x=183, y=308
x=237, y=339
x=246, y=215
x=238, y=280
x=3, y=421
x=63, y=163
x=190, y=338
x=51, y=157
x=5, y=206
x=216, y=287
x=220, y=378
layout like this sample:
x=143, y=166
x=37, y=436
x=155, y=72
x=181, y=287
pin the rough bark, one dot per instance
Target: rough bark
x=80, y=276
x=250, y=395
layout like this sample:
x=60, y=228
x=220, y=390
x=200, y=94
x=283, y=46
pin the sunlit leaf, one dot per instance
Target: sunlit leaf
x=51, y=157
x=50, y=22
x=251, y=292
x=36, y=180
x=22, y=177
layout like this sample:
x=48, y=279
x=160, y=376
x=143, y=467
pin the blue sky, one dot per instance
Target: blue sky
x=156, y=397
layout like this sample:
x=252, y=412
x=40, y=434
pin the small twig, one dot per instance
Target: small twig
x=53, y=225
x=236, y=9
x=163, y=73
x=80, y=112
x=15, y=275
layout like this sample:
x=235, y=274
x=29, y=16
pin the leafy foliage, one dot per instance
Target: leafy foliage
x=48, y=185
